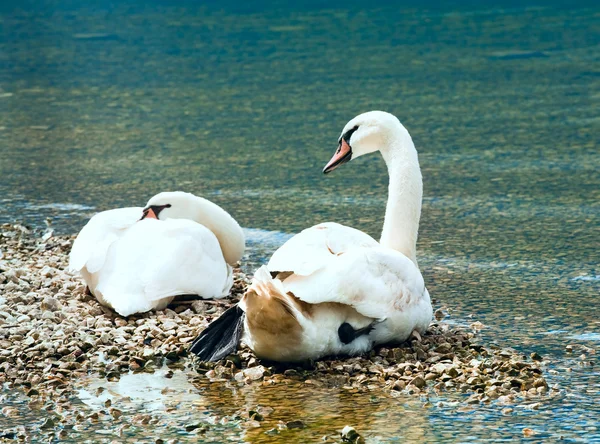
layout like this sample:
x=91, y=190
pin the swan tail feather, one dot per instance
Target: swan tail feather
x=221, y=337
x=273, y=318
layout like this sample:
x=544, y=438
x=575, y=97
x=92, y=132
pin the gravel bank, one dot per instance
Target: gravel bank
x=52, y=333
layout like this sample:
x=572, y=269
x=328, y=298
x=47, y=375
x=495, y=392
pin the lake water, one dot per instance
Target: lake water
x=103, y=104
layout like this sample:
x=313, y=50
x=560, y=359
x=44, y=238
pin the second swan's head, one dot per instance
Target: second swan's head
x=366, y=133
x=171, y=205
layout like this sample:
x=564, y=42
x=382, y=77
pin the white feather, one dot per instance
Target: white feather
x=134, y=265
x=316, y=247
x=94, y=239
x=371, y=283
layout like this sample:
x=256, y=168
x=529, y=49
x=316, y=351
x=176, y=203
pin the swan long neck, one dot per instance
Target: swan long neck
x=405, y=194
x=226, y=229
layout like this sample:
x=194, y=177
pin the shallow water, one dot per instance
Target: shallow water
x=103, y=105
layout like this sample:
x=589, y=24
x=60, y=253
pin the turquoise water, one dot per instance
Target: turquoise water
x=103, y=105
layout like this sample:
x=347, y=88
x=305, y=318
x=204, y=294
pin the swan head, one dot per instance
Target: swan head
x=171, y=205
x=366, y=133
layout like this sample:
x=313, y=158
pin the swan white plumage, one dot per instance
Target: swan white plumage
x=138, y=259
x=332, y=289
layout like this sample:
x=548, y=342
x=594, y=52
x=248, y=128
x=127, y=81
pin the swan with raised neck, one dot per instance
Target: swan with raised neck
x=332, y=289
x=381, y=131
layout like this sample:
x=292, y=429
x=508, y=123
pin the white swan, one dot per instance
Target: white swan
x=138, y=259
x=332, y=289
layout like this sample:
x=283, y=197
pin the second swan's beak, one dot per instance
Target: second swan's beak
x=148, y=214
x=342, y=155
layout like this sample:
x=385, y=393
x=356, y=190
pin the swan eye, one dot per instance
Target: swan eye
x=348, y=134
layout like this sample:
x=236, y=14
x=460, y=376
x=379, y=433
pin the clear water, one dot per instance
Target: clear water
x=103, y=104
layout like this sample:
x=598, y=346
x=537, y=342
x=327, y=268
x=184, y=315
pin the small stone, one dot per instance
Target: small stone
x=48, y=424
x=9, y=412
x=168, y=324
x=254, y=373
x=349, y=434
x=418, y=382
x=529, y=432
x=296, y=424
x=399, y=385
x=194, y=427
x=50, y=303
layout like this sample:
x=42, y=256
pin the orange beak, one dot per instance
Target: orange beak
x=342, y=155
x=149, y=214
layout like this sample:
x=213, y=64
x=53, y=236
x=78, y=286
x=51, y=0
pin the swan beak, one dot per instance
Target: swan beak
x=149, y=214
x=342, y=155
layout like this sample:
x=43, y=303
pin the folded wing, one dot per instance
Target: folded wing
x=92, y=243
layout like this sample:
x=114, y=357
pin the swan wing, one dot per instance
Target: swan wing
x=314, y=248
x=376, y=282
x=158, y=260
x=93, y=241
x=192, y=263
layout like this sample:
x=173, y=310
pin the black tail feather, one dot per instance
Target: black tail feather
x=221, y=337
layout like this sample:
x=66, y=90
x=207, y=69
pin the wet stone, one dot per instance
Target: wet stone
x=349, y=434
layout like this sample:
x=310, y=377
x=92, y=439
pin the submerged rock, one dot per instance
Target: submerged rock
x=349, y=434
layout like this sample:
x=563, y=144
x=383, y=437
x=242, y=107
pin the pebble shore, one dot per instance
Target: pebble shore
x=52, y=333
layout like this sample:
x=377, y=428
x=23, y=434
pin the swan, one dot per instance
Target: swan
x=138, y=259
x=332, y=289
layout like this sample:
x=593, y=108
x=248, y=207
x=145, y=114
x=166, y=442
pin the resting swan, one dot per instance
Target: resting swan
x=138, y=259
x=332, y=289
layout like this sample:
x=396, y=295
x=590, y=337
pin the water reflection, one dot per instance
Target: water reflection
x=147, y=392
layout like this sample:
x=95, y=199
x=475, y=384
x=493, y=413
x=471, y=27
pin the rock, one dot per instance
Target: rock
x=418, y=382
x=9, y=412
x=168, y=324
x=47, y=271
x=399, y=385
x=10, y=435
x=528, y=432
x=254, y=373
x=50, y=303
x=192, y=427
x=296, y=424
x=349, y=434
x=48, y=424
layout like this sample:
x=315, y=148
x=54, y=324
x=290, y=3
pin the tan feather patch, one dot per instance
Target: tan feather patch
x=271, y=322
